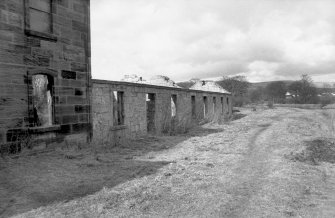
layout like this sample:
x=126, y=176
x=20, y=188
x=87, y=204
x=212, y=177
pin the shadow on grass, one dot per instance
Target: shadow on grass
x=318, y=150
x=237, y=116
x=30, y=182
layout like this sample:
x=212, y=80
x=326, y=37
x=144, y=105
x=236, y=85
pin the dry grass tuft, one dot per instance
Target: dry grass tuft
x=301, y=106
x=318, y=150
x=330, y=117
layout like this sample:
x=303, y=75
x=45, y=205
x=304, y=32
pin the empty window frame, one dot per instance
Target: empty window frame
x=214, y=104
x=205, y=104
x=151, y=109
x=193, y=105
x=173, y=106
x=118, y=109
x=42, y=100
x=39, y=16
x=222, y=106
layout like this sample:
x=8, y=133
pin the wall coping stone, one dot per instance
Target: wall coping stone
x=110, y=82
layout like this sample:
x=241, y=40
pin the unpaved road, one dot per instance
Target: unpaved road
x=256, y=166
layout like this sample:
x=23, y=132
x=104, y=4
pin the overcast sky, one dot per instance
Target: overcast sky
x=183, y=39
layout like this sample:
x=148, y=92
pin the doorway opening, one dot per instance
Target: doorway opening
x=205, y=102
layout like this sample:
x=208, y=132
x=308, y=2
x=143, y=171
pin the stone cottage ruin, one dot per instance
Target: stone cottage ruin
x=47, y=95
x=126, y=109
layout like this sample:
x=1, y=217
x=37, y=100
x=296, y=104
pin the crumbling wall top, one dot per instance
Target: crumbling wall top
x=158, y=80
x=207, y=85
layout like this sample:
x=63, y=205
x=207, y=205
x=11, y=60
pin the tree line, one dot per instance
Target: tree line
x=300, y=91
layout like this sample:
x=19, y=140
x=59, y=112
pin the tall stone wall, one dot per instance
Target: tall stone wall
x=105, y=130
x=63, y=55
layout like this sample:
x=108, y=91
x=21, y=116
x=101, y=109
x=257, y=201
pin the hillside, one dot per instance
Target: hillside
x=318, y=85
x=264, y=84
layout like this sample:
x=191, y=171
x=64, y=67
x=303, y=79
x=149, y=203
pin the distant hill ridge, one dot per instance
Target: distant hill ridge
x=319, y=85
x=264, y=84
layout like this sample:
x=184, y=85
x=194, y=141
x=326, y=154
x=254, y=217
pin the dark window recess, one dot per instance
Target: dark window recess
x=78, y=92
x=118, y=109
x=81, y=108
x=151, y=109
x=80, y=127
x=222, y=106
x=205, y=102
x=2, y=136
x=27, y=80
x=69, y=74
x=173, y=106
x=65, y=128
x=42, y=100
x=56, y=100
x=193, y=106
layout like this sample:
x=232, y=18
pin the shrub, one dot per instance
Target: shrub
x=239, y=101
x=325, y=100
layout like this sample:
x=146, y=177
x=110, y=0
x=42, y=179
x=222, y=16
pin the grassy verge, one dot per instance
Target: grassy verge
x=301, y=106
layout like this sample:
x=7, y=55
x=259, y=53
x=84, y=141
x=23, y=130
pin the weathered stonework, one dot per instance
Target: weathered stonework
x=52, y=68
x=136, y=114
x=64, y=55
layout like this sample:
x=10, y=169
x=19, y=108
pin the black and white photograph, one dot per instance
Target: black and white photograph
x=167, y=108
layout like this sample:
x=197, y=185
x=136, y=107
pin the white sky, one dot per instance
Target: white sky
x=183, y=39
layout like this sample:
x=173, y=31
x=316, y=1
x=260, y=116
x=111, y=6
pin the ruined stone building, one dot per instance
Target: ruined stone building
x=126, y=109
x=44, y=71
x=47, y=95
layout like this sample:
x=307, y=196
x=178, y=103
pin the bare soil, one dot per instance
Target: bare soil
x=265, y=163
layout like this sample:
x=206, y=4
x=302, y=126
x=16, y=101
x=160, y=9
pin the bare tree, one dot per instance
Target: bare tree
x=256, y=95
x=276, y=91
x=303, y=90
x=327, y=88
x=237, y=85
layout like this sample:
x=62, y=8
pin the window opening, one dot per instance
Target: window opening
x=205, y=103
x=151, y=109
x=42, y=100
x=173, y=106
x=118, y=108
x=39, y=12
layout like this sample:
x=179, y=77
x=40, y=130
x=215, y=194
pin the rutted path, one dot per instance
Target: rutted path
x=250, y=173
x=243, y=169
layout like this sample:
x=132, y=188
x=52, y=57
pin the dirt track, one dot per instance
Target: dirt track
x=256, y=166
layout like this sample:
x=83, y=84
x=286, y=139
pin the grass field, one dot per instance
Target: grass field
x=265, y=163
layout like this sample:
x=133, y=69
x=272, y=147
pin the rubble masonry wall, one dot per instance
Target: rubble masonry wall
x=135, y=111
